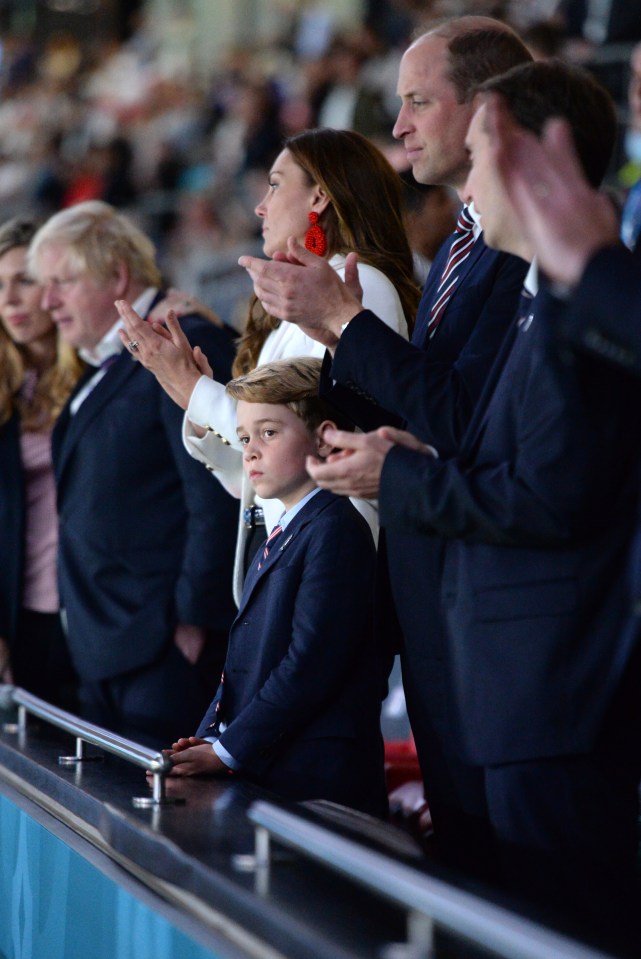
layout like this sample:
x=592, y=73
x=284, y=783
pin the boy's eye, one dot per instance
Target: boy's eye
x=269, y=432
x=244, y=440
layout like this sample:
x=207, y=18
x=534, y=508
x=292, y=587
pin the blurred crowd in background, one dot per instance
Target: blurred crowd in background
x=186, y=154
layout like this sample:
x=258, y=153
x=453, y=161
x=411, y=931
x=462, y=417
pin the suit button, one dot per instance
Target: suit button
x=246, y=622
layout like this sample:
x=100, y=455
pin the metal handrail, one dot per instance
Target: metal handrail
x=426, y=899
x=85, y=732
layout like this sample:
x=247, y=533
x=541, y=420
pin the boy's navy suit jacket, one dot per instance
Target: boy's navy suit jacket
x=303, y=682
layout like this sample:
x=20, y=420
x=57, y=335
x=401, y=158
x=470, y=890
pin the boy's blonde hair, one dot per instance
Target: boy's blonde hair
x=292, y=383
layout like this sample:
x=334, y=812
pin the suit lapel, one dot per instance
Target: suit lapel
x=70, y=428
x=319, y=502
x=429, y=293
x=64, y=421
x=515, y=340
x=420, y=331
x=254, y=574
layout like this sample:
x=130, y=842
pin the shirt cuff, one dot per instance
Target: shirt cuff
x=226, y=757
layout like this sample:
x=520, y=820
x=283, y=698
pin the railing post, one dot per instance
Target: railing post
x=80, y=756
x=20, y=725
x=158, y=793
x=420, y=935
x=84, y=733
x=259, y=861
x=262, y=847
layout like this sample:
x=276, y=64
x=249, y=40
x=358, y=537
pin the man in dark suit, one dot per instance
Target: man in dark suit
x=539, y=509
x=432, y=383
x=298, y=708
x=574, y=232
x=146, y=538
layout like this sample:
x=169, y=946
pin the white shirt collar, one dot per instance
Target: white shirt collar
x=531, y=281
x=287, y=517
x=477, y=229
x=110, y=344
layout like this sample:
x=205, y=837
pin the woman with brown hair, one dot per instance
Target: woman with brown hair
x=37, y=374
x=357, y=208
x=335, y=192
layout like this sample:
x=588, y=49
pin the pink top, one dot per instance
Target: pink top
x=41, y=526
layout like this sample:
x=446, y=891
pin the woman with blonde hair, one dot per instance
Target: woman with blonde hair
x=37, y=374
x=335, y=192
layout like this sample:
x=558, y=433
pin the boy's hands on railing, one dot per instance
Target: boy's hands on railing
x=191, y=756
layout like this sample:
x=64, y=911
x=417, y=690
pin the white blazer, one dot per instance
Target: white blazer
x=212, y=409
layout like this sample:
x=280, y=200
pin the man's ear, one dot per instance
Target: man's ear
x=121, y=278
x=323, y=449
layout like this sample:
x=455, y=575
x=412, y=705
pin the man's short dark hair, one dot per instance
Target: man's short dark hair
x=536, y=92
x=478, y=48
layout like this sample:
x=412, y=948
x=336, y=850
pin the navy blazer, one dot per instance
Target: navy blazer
x=431, y=386
x=604, y=315
x=12, y=525
x=539, y=509
x=146, y=536
x=303, y=682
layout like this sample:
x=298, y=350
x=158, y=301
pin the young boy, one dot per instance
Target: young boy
x=298, y=707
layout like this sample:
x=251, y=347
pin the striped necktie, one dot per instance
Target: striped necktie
x=459, y=251
x=277, y=530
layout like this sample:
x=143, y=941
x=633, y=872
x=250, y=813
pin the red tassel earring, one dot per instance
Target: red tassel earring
x=315, y=239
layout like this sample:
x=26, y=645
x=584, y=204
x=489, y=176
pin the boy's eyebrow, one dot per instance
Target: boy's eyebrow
x=266, y=419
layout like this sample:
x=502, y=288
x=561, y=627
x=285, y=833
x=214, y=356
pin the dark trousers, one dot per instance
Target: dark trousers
x=566, y=834
x=159, y=702
x=40, y=660
x=559, y=834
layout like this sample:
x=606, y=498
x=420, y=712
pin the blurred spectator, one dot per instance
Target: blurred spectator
x=604, y=21
x=212, y=229
x=48, y=184
x=248, y=136
x=543, y=39
x=118, y=186
x=37, y=374
x=86, y=179
x=345, y=101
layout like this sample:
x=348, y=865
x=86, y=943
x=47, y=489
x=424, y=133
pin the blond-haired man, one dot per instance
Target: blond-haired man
x=146, y=538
